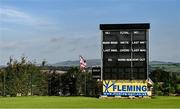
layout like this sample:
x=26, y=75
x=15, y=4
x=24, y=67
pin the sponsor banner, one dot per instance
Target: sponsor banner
x=125, y=88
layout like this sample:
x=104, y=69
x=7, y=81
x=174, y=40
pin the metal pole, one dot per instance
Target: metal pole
x=85, y=83
x=102, y=55
x=31, y=85
x=4, y=88
x=131, y=33
x=147, y=52
x=168, y=83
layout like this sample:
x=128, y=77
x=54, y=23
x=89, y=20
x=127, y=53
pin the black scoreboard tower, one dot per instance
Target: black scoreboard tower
x=125, y=51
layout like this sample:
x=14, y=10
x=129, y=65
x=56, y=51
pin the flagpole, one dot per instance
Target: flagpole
x=85, y=83
x=82, y=67
x=4, y=87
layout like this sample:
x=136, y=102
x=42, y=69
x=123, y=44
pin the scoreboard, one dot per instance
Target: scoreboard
x=124, y=51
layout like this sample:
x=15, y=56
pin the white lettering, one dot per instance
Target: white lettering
x=135, y=42
x=142, y=42
x=114, y=42
x=107, y=50
x=124, y=42
x=114, y=50
x=136, y=32
x=124, y=32
x=106, y=42
x=109, y=59
x=134, y=59
x=142, y=50
x=107, y=32
x=124, y=50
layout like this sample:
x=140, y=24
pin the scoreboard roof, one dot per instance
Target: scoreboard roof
x=124, y=26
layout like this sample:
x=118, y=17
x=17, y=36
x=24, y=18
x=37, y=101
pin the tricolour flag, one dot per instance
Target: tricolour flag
x=83, y=64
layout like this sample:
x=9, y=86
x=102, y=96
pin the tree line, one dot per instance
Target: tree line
x=24, y=78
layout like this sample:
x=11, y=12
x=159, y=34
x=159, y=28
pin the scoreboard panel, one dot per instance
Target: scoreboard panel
x=124, y=51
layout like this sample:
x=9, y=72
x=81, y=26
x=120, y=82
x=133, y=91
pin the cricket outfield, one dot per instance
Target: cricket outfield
x=87, y=102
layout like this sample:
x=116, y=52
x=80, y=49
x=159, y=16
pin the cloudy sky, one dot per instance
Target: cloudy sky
x=59, y=30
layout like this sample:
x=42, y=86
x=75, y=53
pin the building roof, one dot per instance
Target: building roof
x=124, y=26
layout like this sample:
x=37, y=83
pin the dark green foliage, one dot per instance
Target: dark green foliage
x=54, y=83
x=165, y=83
x=74, y=83
x=23, y=78
x=1, y=81
x=70, y=83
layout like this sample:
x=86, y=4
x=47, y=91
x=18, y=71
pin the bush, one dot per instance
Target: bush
x=159, y=93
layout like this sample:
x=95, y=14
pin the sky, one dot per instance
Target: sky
x=60, y=30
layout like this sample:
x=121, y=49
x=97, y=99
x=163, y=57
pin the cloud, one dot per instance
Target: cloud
x=12, y=15
x=15, y=16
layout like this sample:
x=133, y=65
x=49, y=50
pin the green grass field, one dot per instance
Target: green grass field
x=167, y=67
x=87, y=102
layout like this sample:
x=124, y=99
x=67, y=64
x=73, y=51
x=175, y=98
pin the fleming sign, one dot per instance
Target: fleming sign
x=125, y=88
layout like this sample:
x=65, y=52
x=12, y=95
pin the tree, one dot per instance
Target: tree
x=165, y=82
x=23, y=78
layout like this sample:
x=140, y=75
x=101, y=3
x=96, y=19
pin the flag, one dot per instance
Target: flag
x=82, y=62
x=149, y=81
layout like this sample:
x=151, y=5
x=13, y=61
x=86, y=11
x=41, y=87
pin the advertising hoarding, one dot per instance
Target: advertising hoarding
x=125, y=88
